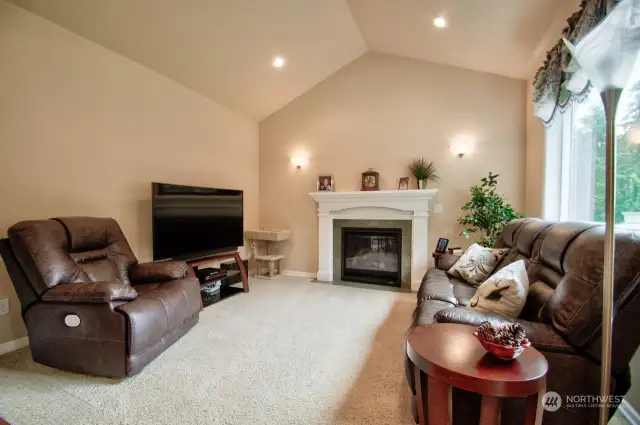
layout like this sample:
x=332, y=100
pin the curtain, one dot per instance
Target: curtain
x=551, y=91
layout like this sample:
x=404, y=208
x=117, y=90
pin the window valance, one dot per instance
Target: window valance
x=551, y=94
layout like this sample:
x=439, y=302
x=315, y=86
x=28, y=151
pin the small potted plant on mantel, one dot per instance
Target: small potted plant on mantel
x=423, y=171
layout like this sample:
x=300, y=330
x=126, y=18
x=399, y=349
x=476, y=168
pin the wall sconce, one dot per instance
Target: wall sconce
x=299, y=160
x=458, y=149
x=462, y=145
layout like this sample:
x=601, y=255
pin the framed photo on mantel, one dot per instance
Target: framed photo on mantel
x=403, y=184
x=325, y=184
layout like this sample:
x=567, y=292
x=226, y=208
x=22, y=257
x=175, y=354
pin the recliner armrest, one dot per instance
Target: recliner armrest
x=97, y=292
x=157, y=272
x=446, y=261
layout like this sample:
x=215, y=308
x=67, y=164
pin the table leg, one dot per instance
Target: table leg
x=439, y=402
x=272, y=268
x=533, y=415
x=243, y=272
x=490, y=410
x=419, y=380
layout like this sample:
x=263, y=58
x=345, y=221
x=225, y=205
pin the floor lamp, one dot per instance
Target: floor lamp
x=607, y=56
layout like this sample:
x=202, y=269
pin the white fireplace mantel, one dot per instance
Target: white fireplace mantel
x=375, y=205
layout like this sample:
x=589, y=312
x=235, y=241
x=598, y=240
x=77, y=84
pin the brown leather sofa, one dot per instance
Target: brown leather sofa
x=562, y=315
x=65, y=269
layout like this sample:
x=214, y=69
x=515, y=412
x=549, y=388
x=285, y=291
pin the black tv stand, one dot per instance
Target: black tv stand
x=226, y=289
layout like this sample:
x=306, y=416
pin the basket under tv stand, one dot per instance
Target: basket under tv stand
x=235, y=255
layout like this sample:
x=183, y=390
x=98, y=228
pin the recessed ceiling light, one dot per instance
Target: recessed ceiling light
x=440, y=22
x=278, y=62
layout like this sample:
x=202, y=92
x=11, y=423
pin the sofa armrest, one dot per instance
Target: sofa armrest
x=446, y=261
x=542, y=336
x=469, y=316
x=97, y=292
x=157, y=272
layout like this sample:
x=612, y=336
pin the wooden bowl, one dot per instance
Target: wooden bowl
x=501, y=351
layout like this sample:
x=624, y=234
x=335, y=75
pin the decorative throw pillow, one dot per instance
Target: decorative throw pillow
x=505, y=292
x=477, y=263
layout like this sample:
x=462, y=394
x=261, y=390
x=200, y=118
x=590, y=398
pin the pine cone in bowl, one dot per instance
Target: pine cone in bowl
x=505, y=341
x=486, y=331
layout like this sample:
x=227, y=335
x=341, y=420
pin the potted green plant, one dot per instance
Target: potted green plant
x=423, y=171
x=487, y=212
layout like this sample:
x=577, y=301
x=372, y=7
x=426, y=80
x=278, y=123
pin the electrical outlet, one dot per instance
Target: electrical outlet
x=438, y=209
x=4, y=307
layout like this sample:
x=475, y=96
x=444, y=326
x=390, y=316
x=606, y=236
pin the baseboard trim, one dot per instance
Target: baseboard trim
x=629, y=413
x=298, y=274
x=13, y=345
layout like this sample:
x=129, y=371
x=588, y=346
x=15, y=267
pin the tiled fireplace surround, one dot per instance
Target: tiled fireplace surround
x=404, y=209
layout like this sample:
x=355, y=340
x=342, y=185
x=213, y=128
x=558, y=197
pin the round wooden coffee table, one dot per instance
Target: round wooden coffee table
x=447, y=355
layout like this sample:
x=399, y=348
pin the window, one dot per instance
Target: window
x=575, y=161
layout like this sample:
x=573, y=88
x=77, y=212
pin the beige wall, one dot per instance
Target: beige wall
x=84, y=131
x=535, y=150
x=381, y=112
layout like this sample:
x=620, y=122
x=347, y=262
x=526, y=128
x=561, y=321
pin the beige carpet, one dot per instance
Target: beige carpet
x=289, y=352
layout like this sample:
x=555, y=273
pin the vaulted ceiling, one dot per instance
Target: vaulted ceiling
x=494, y=36
x=223, y=49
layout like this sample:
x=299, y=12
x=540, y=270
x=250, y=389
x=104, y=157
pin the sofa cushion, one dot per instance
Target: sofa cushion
x=477, y=263
x=523, y=238
x=158, y=310
x=539, y=295
x=505, y=292
x=545, y=338
x=574, y=307
x=98, y=248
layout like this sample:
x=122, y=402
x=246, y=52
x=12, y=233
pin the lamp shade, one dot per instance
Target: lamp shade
x=607, y=55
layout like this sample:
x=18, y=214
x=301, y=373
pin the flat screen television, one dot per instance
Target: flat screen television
x=194, y=222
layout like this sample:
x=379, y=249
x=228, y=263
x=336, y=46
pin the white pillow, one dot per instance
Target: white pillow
x=477, y=263
x=505, y=292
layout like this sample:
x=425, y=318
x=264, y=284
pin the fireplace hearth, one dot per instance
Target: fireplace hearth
x=372, y=255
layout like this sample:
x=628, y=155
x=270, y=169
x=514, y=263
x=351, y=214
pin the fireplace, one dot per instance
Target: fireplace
x=409, y=206
x=372, y=255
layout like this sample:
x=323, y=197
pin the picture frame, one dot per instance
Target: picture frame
x=325, y=183
x=403, y=183
x=441, y=247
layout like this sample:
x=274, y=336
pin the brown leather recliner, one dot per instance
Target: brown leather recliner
x=65, y=269
x=562, y=315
